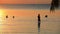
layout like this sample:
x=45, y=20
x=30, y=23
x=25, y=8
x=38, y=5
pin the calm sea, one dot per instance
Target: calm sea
x=25, y=21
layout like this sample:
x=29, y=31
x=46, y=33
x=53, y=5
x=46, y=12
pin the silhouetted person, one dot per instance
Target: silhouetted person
x=39, y=22
x=54, y=5
x=7, y=16
x=13, y=16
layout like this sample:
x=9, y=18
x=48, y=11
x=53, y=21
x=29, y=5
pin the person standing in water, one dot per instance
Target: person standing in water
x=39, y=22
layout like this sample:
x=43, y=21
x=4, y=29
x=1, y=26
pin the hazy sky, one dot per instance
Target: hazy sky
x=25, y=1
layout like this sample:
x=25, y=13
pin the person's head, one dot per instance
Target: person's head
x=38, y=14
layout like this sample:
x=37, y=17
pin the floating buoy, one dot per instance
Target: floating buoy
x=13, y=16
x=7, y=16
x=46, y=16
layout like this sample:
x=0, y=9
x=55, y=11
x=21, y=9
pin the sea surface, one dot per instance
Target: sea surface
x=26, y=21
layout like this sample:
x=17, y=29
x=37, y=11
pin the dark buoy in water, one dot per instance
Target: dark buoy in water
x=7, y=16
x=13, y=16
x=46, y=16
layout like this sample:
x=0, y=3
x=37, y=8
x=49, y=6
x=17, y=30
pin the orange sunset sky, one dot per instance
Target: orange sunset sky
x=25, y=1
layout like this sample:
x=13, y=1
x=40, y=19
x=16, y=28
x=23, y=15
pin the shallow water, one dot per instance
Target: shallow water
x=25, y=21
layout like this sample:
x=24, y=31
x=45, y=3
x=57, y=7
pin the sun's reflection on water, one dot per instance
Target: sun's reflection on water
x=2, y=14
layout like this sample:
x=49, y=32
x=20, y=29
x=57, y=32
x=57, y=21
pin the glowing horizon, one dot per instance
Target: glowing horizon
x=25, y=1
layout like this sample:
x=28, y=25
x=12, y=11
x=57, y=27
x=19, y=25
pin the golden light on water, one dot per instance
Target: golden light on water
x=1, y=12
x=1, y=15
